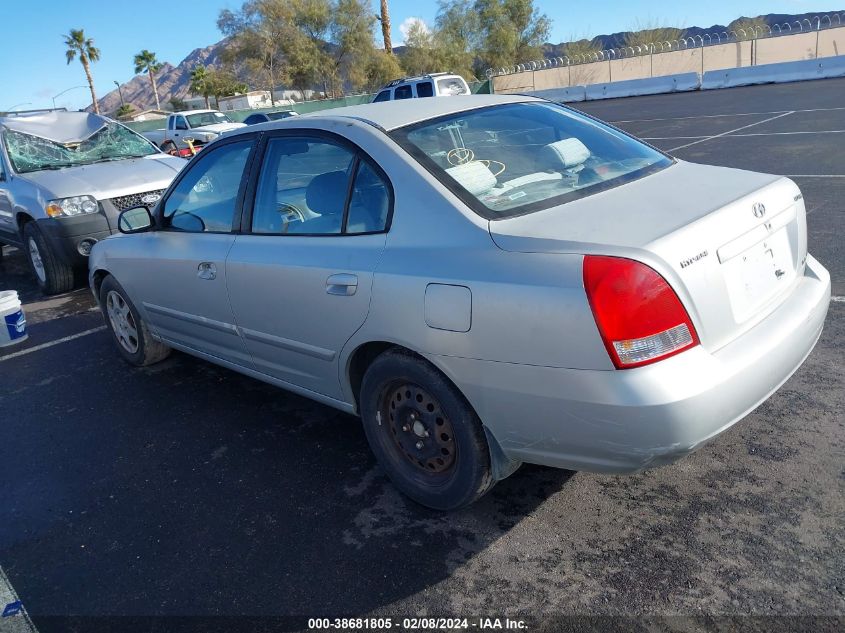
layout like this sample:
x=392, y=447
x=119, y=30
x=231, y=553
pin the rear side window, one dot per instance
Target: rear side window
x=304, y=188
x=425, y=89
x=384, y=95
x=402, y=92
x=369, y=204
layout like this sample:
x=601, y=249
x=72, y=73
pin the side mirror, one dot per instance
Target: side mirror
x=135, y=220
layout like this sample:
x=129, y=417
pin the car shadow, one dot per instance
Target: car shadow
x=187, y=489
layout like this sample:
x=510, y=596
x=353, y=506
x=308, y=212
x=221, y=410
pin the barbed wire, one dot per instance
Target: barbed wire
x=817, y=23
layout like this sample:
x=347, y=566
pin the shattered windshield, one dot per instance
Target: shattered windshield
x=111, y=142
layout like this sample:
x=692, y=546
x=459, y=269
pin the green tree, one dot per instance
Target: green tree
x=83, y=47
x=510, y=31
x=351, y=44
x=381, y=68
x=575, y=49
x=124, y=111
x=748, y=28
x=177, y=104
x=146, y=62
x=651, y=33
x=201, y=83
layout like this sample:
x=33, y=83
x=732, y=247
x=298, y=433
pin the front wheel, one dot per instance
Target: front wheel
x=424, y=433
x=129, y=331
x=53, y=275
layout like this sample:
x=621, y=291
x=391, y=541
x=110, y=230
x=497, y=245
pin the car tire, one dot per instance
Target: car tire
x=424, y=433
x=129, y=331
x=52, y=274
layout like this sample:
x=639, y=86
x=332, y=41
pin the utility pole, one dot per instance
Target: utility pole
x=120, y=92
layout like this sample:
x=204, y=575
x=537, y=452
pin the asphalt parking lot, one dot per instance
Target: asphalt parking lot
x=186, y=489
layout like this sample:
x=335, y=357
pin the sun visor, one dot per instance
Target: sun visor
x=59, y=127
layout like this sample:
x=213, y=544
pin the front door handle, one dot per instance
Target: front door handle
x=207, y=270
x=343, y=284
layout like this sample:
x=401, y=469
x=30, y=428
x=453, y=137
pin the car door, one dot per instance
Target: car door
x=301, y=272
x=180, y=273
x=7, y=217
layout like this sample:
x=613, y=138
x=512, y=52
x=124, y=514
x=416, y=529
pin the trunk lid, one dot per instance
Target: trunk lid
x=730, y=260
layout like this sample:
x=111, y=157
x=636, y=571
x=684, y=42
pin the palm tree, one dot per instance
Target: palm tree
x=384, y=18
x=78, y=44
x=200, y=83
x=146, y=62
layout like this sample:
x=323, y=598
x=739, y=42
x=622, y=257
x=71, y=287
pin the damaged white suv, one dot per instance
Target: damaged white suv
x=64, y=178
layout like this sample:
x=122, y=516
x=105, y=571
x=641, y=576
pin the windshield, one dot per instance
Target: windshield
x=207, y=118
x=111, y=142
x=517, y=158
x=275, y=116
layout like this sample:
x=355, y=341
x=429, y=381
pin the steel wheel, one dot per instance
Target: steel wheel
x=122, y=322
x=37, y=262
x=420, y=430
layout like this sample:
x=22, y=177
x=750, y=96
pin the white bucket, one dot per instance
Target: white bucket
x=12, y=319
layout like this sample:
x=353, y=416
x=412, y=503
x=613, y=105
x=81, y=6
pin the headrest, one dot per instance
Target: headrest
x=568, y=152
x=326, y=193
x=473, y=176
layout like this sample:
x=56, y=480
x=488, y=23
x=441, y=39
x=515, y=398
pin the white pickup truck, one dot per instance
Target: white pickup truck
x=202, y=126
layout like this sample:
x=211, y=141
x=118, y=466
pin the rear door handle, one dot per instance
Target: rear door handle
x=343, y=284
x=207, y=270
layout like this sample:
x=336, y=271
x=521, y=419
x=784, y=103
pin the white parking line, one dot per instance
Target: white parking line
x=815, y=175
x=837, y=299
x=13, y=616
x=679, y=138
x=716, y=116
x=744, y=127
x=65, y=339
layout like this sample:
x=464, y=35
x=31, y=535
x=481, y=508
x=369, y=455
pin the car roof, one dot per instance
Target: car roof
x=390, y=115
x=57, y=126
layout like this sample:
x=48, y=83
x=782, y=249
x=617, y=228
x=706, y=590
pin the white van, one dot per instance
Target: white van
x=433, y=85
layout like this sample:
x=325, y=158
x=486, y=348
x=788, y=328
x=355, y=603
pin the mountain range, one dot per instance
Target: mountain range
x=174, y=81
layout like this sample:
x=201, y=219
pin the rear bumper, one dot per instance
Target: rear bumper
x=625, y=421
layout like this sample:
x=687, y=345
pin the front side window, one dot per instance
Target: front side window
x=402, y=92
x=517, y=158
x=180, y=123
x=204, y=200
x=113, y=141
x=304, y=188
x=384, y=95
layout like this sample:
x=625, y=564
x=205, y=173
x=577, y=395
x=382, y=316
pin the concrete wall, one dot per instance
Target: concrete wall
x=795, y=47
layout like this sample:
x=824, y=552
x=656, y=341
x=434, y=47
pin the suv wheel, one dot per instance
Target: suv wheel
x=53, y=275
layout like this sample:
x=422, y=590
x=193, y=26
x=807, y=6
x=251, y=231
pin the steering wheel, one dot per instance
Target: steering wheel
x=290, y=213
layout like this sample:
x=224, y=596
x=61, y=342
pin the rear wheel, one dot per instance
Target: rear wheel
x=424, y=433
x=129, y=331
x=53, y=275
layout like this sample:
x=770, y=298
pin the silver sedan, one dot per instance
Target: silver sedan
x=485, y=281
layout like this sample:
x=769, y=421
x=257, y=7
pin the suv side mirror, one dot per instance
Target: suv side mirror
x=135, y=220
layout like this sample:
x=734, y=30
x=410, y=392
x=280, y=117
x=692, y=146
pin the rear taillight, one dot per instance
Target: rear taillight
x=639, y=316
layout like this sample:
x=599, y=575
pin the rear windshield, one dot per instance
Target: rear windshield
x=512, y=159
x=207, y=118
x=450, y=86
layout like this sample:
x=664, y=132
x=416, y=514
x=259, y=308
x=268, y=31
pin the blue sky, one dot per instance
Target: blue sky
x=33, y=68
